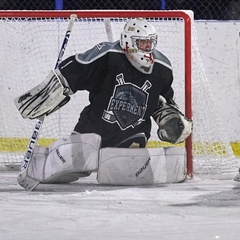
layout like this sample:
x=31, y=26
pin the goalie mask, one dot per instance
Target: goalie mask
x=138, y=40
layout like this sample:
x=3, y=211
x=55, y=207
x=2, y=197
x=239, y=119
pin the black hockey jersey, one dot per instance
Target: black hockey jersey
x=122, y=99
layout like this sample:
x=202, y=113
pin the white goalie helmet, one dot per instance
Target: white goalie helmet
x=138, y=40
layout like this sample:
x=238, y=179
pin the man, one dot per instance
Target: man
x=128, y=81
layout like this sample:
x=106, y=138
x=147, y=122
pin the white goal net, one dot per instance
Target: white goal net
x=29, y=46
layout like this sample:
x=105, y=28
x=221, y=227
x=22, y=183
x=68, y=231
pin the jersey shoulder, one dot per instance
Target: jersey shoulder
x=161, y=59
x=98, y=51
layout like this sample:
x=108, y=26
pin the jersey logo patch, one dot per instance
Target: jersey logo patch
x=128, y=104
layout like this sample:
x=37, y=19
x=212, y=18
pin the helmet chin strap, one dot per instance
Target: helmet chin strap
x=126, y=48
x=149, y=57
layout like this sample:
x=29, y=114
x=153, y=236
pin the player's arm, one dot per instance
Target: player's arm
x=174, y=127
x=84, y=71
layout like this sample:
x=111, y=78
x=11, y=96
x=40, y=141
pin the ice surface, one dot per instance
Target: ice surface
x=198, y=209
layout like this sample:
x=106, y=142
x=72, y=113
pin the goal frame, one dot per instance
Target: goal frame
x=134, y=14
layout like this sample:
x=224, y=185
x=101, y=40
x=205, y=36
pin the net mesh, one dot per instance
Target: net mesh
x=28, y=51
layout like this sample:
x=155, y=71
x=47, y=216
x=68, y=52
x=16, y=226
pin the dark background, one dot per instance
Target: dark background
x=203, y=9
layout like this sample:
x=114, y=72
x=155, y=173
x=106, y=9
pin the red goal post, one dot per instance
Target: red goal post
x=39, y=42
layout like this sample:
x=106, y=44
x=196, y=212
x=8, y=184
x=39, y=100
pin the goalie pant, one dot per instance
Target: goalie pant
x=76, y=156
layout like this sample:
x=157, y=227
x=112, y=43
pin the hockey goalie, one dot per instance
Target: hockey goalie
x=129, y=83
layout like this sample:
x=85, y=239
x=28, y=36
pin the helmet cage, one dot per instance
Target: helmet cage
x=144, y=44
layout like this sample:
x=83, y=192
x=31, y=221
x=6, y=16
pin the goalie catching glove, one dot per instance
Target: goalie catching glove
x=174, y=127
x=45, y=98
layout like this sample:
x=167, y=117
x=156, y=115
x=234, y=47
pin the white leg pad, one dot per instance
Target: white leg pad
x=125, y=166
x=169, y=164
x=37, y=163
x=158, y=163
x=176, y=164
x=66, y=159
x=120, y=166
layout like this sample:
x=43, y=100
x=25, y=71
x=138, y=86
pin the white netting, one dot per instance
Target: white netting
x=211, y=147
x=28, y=51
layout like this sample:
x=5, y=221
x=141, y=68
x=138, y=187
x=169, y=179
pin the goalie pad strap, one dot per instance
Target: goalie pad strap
x=43, y=99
